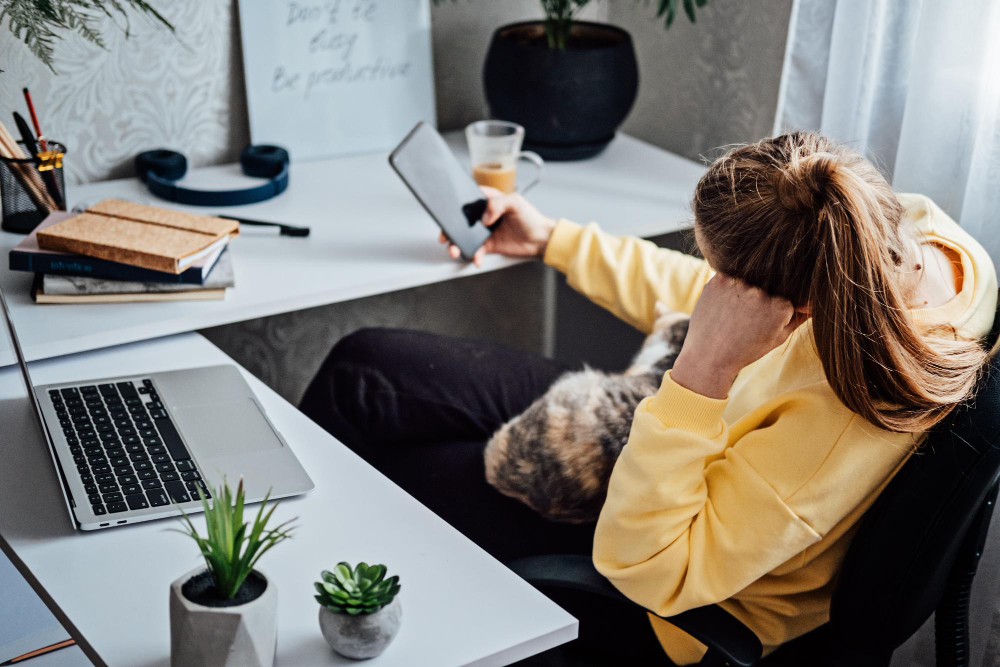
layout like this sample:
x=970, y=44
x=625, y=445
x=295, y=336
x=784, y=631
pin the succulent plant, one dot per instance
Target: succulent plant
x=361, y=590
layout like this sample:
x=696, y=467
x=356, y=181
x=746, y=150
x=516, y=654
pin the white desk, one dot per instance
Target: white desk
x=460, y=606
x=369, y=236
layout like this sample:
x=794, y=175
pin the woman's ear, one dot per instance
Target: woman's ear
x=802, y=313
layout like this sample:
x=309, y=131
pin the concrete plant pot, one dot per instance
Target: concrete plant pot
x=211, y=632
x=362, y=636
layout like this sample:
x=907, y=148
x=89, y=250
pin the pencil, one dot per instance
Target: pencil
x=66, y=643
x=34, y=120
x=25, y=172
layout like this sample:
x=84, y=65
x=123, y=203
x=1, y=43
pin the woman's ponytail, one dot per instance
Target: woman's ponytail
x=821, y=227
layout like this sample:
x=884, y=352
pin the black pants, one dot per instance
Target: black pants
x=420, y=407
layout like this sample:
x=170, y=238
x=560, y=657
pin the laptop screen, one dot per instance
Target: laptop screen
x=11, y=355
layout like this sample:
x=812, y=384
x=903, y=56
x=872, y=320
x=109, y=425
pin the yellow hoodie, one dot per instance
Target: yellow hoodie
x=749, y=501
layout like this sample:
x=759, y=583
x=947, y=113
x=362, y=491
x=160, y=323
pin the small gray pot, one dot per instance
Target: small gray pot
x=362, y=636
x=245, y=635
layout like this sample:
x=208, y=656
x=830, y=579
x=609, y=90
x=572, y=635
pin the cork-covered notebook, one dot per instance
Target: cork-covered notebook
x=146, y=236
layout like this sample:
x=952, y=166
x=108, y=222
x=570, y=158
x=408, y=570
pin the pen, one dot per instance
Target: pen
x=66, y=643
x=283, y=229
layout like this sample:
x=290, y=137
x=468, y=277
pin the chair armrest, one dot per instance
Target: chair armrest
x=725, y=636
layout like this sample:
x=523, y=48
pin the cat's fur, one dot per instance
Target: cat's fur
x=557, y=455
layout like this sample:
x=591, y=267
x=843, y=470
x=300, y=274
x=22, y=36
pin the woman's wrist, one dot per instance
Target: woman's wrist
x=546, y=228
x=703, y=375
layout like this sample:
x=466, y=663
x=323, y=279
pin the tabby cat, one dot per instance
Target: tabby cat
x=558, y=454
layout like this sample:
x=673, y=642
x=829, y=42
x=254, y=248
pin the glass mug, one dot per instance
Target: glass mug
x=494, y=149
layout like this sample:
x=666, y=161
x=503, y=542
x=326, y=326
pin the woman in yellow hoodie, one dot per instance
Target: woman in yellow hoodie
x=833, y=322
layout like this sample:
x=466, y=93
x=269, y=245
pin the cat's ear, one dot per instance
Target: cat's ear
x=659, y=310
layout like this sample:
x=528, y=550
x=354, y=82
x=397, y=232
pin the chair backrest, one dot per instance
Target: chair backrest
x=897, y=568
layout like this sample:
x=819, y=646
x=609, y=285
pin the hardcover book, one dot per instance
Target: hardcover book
x=28, y=256
x=140, y=235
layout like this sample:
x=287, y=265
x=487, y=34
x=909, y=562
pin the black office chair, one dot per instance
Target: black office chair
x=915, y=553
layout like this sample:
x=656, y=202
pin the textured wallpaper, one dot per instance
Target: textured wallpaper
x=150, y=90
x=706, y=85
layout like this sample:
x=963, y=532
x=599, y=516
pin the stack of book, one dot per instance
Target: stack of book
x=118, y=251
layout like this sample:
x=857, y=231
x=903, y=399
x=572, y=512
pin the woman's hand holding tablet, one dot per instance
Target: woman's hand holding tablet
x=524, y=233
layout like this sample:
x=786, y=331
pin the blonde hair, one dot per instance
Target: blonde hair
x=807, y=219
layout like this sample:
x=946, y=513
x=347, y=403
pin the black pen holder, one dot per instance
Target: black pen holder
x=29, y=187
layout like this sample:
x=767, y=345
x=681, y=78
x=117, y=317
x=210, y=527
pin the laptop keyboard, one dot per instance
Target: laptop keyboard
x=127, y=451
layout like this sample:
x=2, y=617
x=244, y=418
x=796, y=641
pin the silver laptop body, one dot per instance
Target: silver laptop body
x=138, y=447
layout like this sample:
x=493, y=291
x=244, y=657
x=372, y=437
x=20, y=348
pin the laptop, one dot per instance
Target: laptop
x=139, y=447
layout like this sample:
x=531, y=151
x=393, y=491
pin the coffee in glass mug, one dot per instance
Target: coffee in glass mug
x=494, y=149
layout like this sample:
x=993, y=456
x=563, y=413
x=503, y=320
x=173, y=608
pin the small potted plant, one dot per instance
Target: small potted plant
x=359, y=613
x=226, y=612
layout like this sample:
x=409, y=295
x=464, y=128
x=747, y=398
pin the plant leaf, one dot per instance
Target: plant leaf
x=378, y=574
x=689, y=10
x=342, y=572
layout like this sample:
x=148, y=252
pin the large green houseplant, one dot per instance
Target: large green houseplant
x=40, y=23
x=570, y=83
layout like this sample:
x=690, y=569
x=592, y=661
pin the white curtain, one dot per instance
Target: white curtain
x=915, y=85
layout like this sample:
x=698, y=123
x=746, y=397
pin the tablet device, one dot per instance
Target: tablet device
x=443, y=186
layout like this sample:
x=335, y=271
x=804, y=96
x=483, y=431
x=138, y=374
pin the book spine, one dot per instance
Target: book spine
x=138, y=258
x=71, y=265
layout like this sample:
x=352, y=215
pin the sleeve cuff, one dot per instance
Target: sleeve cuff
x=678, y=407
x=562, y=244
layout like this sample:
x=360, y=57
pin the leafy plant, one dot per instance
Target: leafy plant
x=230, y=551
x=560, y=14
x=38, y=22
x=362, y=590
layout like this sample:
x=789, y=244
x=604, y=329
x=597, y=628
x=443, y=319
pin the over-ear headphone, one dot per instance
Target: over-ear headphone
x=160, y=168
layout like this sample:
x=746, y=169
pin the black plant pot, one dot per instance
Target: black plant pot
x=570, y=101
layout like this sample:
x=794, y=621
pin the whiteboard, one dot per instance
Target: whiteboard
x=335, y=77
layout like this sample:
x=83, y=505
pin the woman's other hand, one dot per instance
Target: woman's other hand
x=732, y=326
x=524, y=233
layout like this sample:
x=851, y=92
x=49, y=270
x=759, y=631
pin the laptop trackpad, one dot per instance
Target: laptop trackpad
x=225, y=429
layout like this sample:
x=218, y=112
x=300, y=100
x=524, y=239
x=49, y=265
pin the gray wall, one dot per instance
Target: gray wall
x=708, y=84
